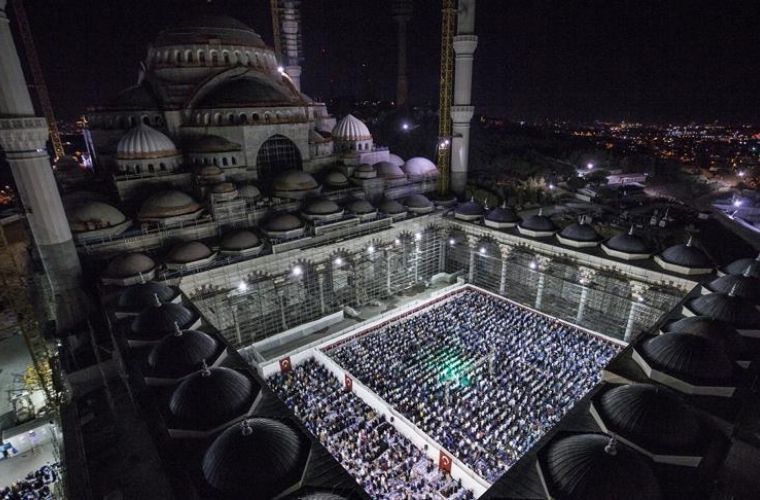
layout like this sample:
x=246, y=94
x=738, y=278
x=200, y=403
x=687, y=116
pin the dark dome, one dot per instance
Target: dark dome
x=138, y=97
x=361, y=207
x=628, y=243
x=746, y=286
x=182, y=353
x=392, y=207
x=138, y=297
x=239, y=239
x=538, y=222
x=470, y=208
x=580, y=232
x=686, y=255
x=686, y=355
x=213, y=396
x=502, y=214
x=650, y=416
x=579, y=468
x=262, y=452
x=712, y=329
x=740, y=266
x=227, y=30
x=210, y=144
x=727, y=308
x=157, y=321
x=246, y=91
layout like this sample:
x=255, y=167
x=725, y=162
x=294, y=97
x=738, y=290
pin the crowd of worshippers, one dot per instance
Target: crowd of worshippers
x=36, y=485
x=483, y=377
x=384, y=462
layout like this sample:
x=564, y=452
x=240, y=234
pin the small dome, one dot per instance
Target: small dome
x=350, y=128
x=686, y=255
x=209, y=171
x=538, y=222
x=685, y=355
x=649, y=416
x=295, y=181
x=364, y=171
x=419, y=167
x=128, y=265
x=503, y=214
x=210, y=144
x=138, y=97
x=728, y=308
x=580, y=232
x=392, y=207
x=249, y=192
x=588, y=467
x=283, y=222
x=628, y=243
x=187, y=252
x=143, y=142
x=320, y=206
x=223, y=188
x=240, y=239
x=387, y=170
x=138, y=297
x=712, y=329
x=739, y=267
x=336, y=179
x=94, y=215
x=395, y=159
x=260, y=451
x=361, y=207
x=212, y=396
x=182, y=353
x=157, y=321
x=418, y=201
x=166, y=204
x=470, y=208
x=745, y=286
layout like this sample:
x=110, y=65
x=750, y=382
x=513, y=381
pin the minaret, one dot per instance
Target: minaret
x=402, y=12
x=23, y=137
x=465, y=43
x=291, y=40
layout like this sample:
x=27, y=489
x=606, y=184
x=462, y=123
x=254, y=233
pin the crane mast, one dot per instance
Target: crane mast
x=448, y=23
x=274, y=6
x=37, y=76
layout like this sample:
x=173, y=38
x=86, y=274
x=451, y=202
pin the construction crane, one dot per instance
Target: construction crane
x=37, y=76
x=274, y=6
x=448, y=25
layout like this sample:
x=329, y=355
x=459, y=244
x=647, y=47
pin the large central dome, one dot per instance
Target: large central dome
x=209, y=29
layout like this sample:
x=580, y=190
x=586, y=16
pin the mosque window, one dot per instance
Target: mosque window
x=162, y=166
x=132, y=121
x=146, y=120
x=151, y=169
x=201, y=57
x=218, y=119
x=243, y=118
x=214, y=58
x=277, y=154
x=224, y=161
x=255, y=117
x=189, y=56
x=238, y=57
x=226, y=57
x=231, y=119
x=234, y=161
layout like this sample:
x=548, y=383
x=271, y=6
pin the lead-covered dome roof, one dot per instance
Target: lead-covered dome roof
x=188, y=251
x=143, y=142
x=418, y=201
x=650, y=416
x=210, y=144
x=223, y=30
x=142, y=295
x=253, y=89
x=470, y=208
x=350, y=128
x=744, y=285
x=580, y=231
x=166, y=204
x=392, y=207
x=686, y=255
x=629, y=242
x=728, y=308
x=249, y=192
x=503, y=214
x=387, y=170
x=689, y=356
x=137, y=97
x=182, y=353
x=589, y=467
x=740, y=266
x=361, y=207
x=213, y=396
x=94, y=215
x=131, y=264
x=295, y=180
x=283, y=222
x=538, y=222
x=320, y=206
x=239, y=239
x=419, y=167
x=336, y=179
x=395, y=159
x=157, y=321
x=261, y=451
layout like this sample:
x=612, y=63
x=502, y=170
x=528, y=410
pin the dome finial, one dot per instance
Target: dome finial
x=157, y=301
x=142, y=278
x=205, y=371
x=691, y=240
x=748, y=271
x=541, y=211
x=630, y=231
x=504, y=204
x=472, y=198
x=732, y=293
x=611, y=447
x=757, y=259
x=177, y=330
x=245, y=428
x=485, y=203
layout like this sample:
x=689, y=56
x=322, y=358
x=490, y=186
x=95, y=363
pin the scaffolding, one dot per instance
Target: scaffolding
x=264, y=304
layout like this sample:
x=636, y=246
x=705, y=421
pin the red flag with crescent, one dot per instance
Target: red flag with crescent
x=444, y=462
x=285, y=365
x=349, y=384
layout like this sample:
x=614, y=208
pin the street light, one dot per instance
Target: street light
x=452, y=242
x=405, y=126
x=242, y=287
x=297, y=271
x=371, y=249
x=532, y=265
x=589, y=165
x=338, y=262
x=418, y=236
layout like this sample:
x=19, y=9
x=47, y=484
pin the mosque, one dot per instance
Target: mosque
x=233, y=225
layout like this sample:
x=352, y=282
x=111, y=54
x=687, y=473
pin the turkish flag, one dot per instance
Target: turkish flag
x=349, y=384
x=285, y=365
x=444, y=462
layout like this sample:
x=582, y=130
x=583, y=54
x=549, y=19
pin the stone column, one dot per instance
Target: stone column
x=442, y=255
x=472, y=244
x=320, y=269
x=291, y=40
x=637, y=293
x=388, y=271
x=585, y=279
x=542, y=264
x=402, y=12
x=283, y=318
x=505, y=252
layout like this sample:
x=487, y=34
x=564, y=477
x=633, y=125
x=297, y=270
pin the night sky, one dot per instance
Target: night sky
x=644, y=60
